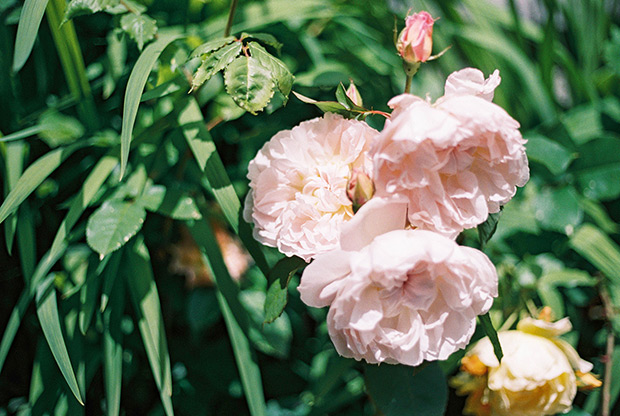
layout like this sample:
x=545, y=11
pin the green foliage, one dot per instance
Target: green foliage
x=107, y=163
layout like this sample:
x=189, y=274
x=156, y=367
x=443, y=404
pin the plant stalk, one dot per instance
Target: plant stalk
x=609, y=350
x=231, y=16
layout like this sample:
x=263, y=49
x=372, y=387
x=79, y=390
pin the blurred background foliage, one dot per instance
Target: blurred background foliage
x=108, y=276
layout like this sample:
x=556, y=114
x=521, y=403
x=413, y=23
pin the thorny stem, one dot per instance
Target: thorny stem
x=231, y=15
x=606, y=396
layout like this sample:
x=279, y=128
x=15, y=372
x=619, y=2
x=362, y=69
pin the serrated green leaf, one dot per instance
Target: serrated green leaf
x=264, y=38
x=47, y=311
x=398, y=390
x=277, y=293
x=488, y=228
x=57, y=129
x=280, y=73
x=487, y=325
x=173, y=203
x=27, y=29
x=211, y=46
x=249, y=83
x=215, y=62
x=113, y=224
x=145, y=298
x=84, y=7
x=135, y=86
x=34, y=176
x=139, y=27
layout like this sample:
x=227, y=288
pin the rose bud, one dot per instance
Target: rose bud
x=415, y=42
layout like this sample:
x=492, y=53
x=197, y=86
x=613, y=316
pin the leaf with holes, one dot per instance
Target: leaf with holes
x=249, y=84
x=214, y=63
x=113, y=224
x=139, y=27
x=280, y=73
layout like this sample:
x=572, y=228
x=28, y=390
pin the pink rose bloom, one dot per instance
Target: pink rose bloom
x=401, y=297
x=298, y=184
x=415, y=41
x=454, y=161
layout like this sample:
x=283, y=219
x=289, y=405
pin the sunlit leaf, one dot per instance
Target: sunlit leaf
x=113, y=224
x=171, y=202
x=57, y=129
x=212, y=45
x=135, y=86
x=84, y=7
x=27, y=29
x=215, y=62
x=280, y=73
x=139, y=27
x=598, y=249
x=249, y=83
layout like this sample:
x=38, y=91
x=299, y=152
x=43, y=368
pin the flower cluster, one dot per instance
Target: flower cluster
x=539, y=374
x=378, y=212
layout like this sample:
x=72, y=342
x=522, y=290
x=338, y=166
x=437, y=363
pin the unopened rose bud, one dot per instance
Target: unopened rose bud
x=355, y=95
x=360, y=188
x=415, y=42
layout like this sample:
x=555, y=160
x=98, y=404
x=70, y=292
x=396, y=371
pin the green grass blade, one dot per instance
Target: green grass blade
x=27, y=132
x=34, y=176
x=14, y=166
x=13, y=324
x=113, y=349
x=600, y=250
x=47, y=311
x=27, y=29
x=26, y=241
x=204, y=150
x=246, y=361
x=145, y=298
x=135, y=86
x=235, y=316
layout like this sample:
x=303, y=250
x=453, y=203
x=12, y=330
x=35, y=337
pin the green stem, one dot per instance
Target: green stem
x=72, y=62
x=410, y=71
x=231, y=16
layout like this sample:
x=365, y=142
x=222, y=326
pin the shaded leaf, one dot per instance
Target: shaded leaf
x=145, y=299
x=273, y=339
x=214, y=63
x=549, y=153
x=135, y=86
x=113, y=349
x=549, y=282
x=487, y=228
x=27, y=29
x=249, y=83
x=598, y=168
x=277, y=293
x=34, y=176
x=487, y=325
x=398, y=390
x=211, y=46
x=57, y=129
x=47, y=311
x=113, y=224
x=559, y=209
x=279, y=72
x=139, y=27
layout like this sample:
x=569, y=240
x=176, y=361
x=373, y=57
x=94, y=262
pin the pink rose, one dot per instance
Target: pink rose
x=298, y=184
x=454, y=161
x=415, y=41
x=400, y=297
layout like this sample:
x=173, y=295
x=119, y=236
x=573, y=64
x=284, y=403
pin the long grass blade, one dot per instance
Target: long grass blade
x=135, y=86
x=27, y=29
